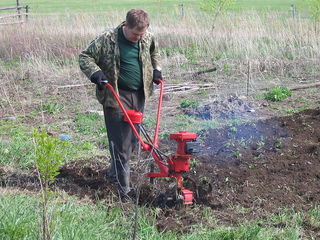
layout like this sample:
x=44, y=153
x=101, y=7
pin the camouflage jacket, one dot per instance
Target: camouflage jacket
x=103, y=54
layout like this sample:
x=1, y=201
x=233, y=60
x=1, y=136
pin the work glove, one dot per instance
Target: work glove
x=156, y=75
x=97, y=78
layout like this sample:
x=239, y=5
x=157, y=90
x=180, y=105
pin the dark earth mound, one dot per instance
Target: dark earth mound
x=260, y=166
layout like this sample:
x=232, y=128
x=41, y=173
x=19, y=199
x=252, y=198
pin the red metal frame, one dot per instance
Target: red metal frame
x=176, y=164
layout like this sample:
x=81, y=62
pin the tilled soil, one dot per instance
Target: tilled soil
x=262, y=167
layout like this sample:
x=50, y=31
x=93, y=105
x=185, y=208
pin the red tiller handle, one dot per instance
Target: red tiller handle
x=156, y=132
x=144, y=145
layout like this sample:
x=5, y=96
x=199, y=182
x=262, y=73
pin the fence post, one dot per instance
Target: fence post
x=18, y=10
x=293, y=10
x=27, y=12
x=183, y=13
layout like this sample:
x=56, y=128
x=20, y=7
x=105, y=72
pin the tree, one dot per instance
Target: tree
x=48, y=159
x=216, y=7
x=314, y=9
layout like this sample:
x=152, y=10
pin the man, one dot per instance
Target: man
x=128, y=58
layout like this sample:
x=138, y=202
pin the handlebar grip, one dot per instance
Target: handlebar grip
x=104, y=81
x=158, y=81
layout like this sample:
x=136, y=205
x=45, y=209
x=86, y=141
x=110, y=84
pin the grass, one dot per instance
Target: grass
x=89, y=124
x=77, y=220
x=17, y=149
x=16, y=146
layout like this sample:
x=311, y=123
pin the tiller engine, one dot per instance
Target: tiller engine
x=169, y=166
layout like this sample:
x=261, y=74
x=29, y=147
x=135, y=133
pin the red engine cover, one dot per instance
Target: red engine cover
x=182, y=138
x=134, y=115
x=184, y=135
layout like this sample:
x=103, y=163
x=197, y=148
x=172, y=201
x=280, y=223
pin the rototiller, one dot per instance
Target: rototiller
x=169, y=166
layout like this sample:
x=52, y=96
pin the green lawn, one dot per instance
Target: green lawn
x=154, y=6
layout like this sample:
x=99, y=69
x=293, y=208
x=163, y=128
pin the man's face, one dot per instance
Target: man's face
x=134, y=34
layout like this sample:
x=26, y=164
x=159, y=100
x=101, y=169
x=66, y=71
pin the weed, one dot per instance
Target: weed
x=188, y=103
x=193, y=163
x=202, y=92
x=52, y=108
x=278, y=144
x=252, y=166
x=278, y=94
x=290, y=111
x=237, y=154
x=260, y=144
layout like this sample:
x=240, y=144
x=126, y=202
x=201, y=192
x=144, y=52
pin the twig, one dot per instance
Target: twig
x=317, y=84
x=183, y=88
x=74, y=85
x=248, y=77
x=193, y=74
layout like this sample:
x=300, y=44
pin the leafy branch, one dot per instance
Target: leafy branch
x=48, y=159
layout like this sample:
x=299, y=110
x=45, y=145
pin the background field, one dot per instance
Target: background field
x=154, y=6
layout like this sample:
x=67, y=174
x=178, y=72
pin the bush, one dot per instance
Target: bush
x=277, y=94
x=188, y=103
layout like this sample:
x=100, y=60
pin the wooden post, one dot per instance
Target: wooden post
x=248, y=77
x=27, y=12
x=293, y=10
x=18, y=10
x=183, y=12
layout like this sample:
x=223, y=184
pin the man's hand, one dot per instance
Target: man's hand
x=97, y=78
x=156, y=75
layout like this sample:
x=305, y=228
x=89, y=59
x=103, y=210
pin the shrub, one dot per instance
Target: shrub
x=278, y=94
x=187, y=103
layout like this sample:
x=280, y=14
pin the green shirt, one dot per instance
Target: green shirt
x=103, y=54
x=130, y=77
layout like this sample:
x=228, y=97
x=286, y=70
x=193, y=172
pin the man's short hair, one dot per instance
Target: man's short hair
x=137, y=18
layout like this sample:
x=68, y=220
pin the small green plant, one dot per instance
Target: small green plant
x=278, y=144
x=193, y=163
x=237, y=154
x=260, y=144
x=291, y=110
x=52, y=108
x=48, y=158
x=252, y=166
x=188, y=103
x=278, y=94
x=202, y=92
